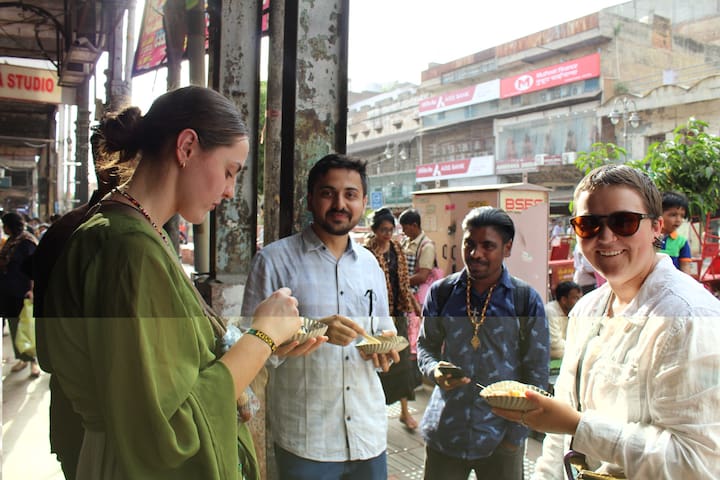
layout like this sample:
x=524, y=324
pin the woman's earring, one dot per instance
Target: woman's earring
x=182, y=165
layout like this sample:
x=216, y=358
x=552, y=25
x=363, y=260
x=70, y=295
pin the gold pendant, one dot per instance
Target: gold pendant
x=475, y=342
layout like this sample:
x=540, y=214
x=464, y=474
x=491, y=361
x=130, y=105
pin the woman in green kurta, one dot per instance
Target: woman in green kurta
x=129, y=338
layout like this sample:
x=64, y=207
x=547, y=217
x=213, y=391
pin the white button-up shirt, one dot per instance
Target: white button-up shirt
x=328, y=406
x=649, y=382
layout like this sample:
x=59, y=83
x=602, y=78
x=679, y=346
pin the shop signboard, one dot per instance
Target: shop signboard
x=576, y=70
x=29, y=84
x=463, y=168
x=482, y=92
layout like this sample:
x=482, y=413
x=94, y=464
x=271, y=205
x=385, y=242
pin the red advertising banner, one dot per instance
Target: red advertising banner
x=560, y=74
x=150, y=52
x=265, y=17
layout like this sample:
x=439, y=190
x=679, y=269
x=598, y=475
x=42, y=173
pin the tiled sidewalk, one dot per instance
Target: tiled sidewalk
x=406, y=449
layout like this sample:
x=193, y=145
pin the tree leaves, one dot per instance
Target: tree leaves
x=690, y=164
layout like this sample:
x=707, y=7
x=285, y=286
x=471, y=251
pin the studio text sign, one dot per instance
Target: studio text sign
x=29, y=84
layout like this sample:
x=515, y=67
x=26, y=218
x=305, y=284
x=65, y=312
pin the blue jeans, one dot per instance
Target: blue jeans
x=292, y=467
x=503, y=464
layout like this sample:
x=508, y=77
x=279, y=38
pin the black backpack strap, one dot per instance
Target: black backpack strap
x=521, y=299
x=445, y=289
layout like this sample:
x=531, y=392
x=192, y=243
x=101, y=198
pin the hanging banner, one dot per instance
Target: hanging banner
x=150, y=53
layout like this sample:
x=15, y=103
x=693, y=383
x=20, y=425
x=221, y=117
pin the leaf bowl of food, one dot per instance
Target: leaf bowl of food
x=510, y=395
x=382, y=344
x=309, y=329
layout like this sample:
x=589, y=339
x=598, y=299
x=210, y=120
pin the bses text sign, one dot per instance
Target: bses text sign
x=516, y=202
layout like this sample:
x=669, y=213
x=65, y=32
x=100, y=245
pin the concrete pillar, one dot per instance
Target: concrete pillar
x=196, y=57
x=273, y=124
x=82, y=135
x=239, y=79
x=235, y=63
x=118, y=87
x=307, y=105
x=175, y=28
x=321, y=92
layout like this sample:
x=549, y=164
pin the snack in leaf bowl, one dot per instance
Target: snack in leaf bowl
x=382, y=344
x=309, y=329
x=510, y=395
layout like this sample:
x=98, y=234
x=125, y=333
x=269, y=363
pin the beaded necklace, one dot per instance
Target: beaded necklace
x=472, y=313
x=144, y=212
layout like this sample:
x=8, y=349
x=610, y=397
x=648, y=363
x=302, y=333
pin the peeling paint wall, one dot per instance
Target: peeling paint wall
x=321, y=118
x=235, y=220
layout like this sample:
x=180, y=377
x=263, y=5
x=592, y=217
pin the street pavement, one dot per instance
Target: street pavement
x=406, y=449
x=25, y=403
x=26, y=450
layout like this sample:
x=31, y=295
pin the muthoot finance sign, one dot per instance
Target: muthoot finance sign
x=29, y=84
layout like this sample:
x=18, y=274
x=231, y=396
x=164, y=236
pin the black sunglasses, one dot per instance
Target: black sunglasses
x=624, y=224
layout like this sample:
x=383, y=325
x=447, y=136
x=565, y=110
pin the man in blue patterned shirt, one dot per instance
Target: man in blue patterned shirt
x=472, y=321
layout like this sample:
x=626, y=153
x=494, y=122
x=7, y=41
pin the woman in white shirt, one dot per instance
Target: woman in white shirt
x=639, y=389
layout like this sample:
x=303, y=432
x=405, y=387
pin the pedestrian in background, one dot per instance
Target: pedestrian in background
x=130, y=339
x=492, y=326
x=399, y=382
x=674, y=245
x=639, y=388
x=419, y=250
x=584, y=274
x=566, y=296
x=15, y=282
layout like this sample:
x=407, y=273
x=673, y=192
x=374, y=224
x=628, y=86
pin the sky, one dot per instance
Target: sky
x=395, y=40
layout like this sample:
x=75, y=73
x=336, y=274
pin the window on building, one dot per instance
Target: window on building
x=591, y=85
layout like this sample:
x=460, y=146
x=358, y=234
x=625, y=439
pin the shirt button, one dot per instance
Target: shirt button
x=347, y=358
x=347, y=388
x=348, y=418
x=342, y=292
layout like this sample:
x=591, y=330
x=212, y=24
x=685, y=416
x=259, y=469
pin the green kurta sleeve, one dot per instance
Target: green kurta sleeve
x=134, y=352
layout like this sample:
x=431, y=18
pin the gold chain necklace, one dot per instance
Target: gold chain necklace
x=472, y=313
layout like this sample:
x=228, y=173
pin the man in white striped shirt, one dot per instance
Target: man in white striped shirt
x=327, y=409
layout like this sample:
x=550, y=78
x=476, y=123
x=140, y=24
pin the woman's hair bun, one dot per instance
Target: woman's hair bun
x=121, y=133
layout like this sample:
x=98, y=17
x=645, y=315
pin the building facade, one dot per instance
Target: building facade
x=523, y=110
